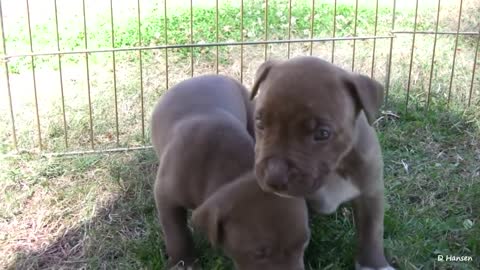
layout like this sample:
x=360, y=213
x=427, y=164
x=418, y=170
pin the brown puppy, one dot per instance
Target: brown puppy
x=315, y=140
x=202, y=135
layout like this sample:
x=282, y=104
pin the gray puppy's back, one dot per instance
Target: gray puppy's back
x=200, y=126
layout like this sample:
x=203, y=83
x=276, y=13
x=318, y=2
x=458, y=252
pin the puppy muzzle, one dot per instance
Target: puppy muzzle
x=276, y=174
x=282, y=177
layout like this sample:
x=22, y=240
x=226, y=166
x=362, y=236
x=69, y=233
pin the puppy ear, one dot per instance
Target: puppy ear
x=260, y=76
x=208, y=219
x=367, y=93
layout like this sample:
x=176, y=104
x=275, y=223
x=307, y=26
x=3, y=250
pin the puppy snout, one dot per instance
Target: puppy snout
x=277, y=174
x=294, y=174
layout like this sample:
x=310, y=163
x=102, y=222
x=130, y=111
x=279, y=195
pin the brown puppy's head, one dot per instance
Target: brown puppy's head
x=258, y=230
x=305, y=115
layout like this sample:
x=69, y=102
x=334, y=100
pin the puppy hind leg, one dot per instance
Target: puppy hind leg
x=369, y=212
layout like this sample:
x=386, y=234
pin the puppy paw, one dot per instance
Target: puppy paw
x=181, y=265
x=359, y=267
x=190, y=267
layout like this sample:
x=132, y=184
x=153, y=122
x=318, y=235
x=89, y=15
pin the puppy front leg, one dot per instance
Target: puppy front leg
x=369, y=222
x=177, y=236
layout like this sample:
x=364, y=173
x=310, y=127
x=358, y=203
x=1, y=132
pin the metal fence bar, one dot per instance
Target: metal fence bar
x=7, y=75
x=88, y=75
x=433, y=56
x=200, y=45
x=311, y=26
x=61, y=76
x=216, y=21
x=462, y=33
x=266, y=29
x=389, y=65
x=355, y=34
x=100, y=151
x=374, y=41
x=34, y=77
x=289, y=26
x=242, y=43
x=191, y=37
x=166, y=41
x=411, y=57
x=455, y=53
x=117, y=133
x=334, y=29
x=473, y=71
x=241, y=40
x=140, y=62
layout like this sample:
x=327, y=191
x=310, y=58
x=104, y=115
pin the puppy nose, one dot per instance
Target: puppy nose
x=293, y=174
x=276, y=174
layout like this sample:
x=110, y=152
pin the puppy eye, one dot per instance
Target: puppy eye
x=321, y=134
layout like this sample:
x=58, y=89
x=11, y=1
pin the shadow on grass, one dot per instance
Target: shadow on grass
x=432, y=182
x=123, y=234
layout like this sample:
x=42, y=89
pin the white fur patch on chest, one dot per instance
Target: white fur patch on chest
x=335, y=192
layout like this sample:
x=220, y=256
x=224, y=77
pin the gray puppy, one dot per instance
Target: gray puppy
x=202, y=132
x=315, y=140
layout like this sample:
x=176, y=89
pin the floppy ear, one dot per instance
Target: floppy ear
x=208, y=219
x=260, y=76
x=367, y=93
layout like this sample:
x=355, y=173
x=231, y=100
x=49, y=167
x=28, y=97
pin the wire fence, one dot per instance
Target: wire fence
x=417, y=53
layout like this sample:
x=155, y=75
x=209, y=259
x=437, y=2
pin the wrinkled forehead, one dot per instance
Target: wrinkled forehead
x=281, y=225
x=297, y=93
x=245, y=239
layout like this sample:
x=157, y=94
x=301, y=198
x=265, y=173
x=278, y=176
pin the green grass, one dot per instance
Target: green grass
x=129, y=89
x=126, y=28
x=97, y=211
x=178, y=26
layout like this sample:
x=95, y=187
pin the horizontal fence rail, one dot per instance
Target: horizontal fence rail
x=437, y=33
x=125, y=66
x=196, y=45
